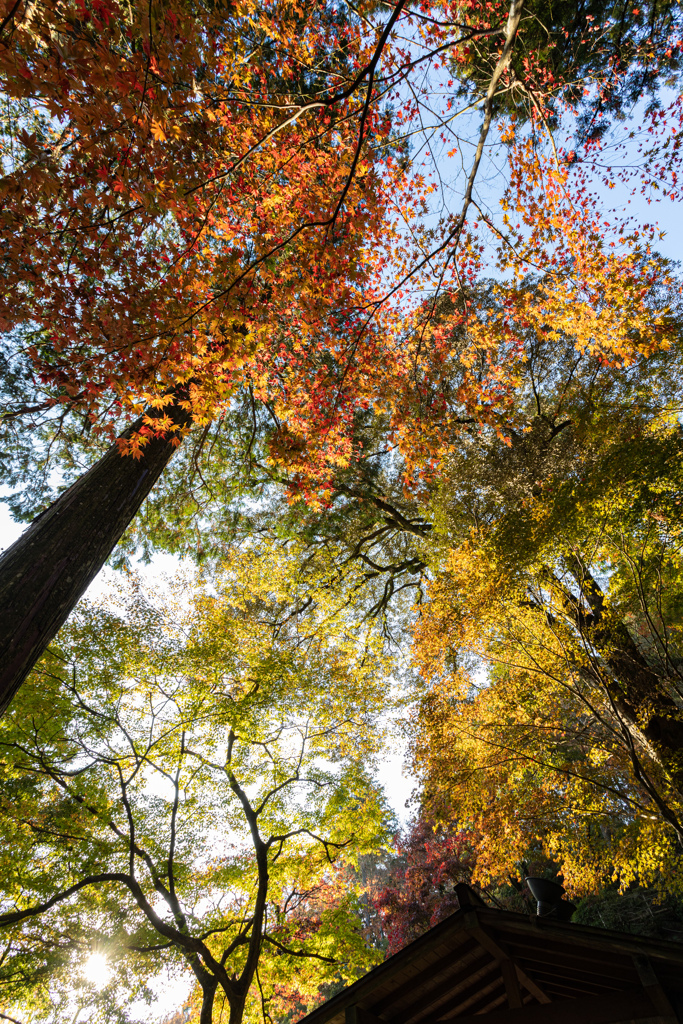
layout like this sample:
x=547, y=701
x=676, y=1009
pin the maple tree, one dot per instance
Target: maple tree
x=377, y=527
x=179, y=783
x=430, y=859
x=171, y=173
x=583, y=464
x=176, y=157
x=551, y=637
x=211, y=202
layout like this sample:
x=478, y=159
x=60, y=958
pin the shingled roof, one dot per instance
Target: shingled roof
x=516, y=969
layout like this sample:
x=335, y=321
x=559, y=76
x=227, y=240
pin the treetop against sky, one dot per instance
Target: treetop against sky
x=166, y=197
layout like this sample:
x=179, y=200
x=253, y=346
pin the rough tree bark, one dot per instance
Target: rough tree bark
x=45, y=572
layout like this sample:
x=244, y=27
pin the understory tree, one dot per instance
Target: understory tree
x=180, y=784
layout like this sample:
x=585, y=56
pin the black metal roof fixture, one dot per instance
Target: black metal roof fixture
x=548, y=896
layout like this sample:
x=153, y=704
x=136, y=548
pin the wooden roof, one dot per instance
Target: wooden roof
x=515, y=969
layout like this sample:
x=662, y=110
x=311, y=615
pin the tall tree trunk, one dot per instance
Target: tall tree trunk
x=237, y=1011
x=208, y=999
x=45, y=572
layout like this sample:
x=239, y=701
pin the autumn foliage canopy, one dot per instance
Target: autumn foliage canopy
x=202, y=198
x=392, y=281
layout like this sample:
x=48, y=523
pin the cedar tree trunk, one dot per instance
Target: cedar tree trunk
x=45, y=572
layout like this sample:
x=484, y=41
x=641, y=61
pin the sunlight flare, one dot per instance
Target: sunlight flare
x=96, y=970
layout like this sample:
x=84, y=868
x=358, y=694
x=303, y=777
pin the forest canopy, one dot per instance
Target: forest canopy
x=362, y=314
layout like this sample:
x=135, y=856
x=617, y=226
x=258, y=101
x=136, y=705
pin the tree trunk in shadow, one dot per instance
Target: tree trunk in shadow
x=45, y=572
